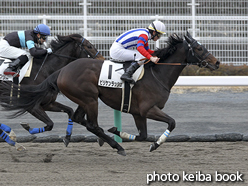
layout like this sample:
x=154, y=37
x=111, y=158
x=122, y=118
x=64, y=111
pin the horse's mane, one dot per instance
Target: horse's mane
x=63, y=40
x=172, y=41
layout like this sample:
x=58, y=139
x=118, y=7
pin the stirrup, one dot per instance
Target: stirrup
x=14, y=74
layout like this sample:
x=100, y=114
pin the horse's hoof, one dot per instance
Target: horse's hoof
x=113, y=130
x=25, y=126
x=153, y=147
x=100, y=142
x=12, y=136
x=66, y=141
x=121, y=152
x=19, y=147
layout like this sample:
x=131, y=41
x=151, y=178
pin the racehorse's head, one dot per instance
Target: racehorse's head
x=79, y=46
x=198, y=54
x=88, y=48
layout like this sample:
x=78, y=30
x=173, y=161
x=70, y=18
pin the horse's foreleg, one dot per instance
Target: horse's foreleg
x=58, y=107
x=6, y=138
x=11, y=138
x=7, y=129
x=156, y=114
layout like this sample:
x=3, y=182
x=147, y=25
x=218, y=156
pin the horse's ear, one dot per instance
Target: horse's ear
x=188, y=34
x=187, y=39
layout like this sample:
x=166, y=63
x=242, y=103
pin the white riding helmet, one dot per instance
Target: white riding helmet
x=157, y=26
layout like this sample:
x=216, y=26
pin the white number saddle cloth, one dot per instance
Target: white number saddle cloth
x=111, y=73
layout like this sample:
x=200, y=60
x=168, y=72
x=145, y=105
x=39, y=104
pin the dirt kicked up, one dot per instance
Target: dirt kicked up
x=184, y=163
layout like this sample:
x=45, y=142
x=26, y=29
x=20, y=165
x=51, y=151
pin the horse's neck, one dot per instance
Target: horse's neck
x=170, y=73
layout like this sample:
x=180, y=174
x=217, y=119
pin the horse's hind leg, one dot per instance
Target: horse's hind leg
x=79, y=116
x=40, y=114
x=58, y=107
x=141, y=125
x=92, y=126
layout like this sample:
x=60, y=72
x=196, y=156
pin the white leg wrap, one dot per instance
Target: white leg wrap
x=125, y=135
x=163, y=137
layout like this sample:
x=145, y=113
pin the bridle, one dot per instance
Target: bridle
x=200, y=60
x=85, y=51
x=81, y=47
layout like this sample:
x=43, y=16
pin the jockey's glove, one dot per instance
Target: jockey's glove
x=49, y=51
x=154, y=59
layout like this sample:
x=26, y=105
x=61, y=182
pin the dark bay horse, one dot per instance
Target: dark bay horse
x=79, y=82
x=65, y=50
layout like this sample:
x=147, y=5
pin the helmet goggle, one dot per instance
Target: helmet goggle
x=158, y=34
x=43, y=37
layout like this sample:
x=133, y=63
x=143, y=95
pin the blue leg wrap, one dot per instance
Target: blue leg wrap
x=36, y=130
x=69, y=127
x=6, y=138
x=5, y=128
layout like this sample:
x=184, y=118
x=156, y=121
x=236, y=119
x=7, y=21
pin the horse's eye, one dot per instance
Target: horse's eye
x=89, y=46
x=200, y=48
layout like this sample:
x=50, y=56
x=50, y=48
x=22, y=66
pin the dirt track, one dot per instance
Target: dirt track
x=88, y=164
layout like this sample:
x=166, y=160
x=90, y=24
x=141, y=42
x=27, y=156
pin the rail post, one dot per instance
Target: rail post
x=117, y=120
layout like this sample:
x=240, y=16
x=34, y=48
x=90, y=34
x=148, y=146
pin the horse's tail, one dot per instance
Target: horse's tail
x=28, y=97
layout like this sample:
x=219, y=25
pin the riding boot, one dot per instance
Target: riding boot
x=14, y=65
x=127, y=76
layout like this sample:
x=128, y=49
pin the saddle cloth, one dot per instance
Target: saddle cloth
x=111, y=73
x=24, y=72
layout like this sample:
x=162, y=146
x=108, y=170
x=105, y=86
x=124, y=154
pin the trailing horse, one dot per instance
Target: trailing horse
x=65, y=50
x=79, y=82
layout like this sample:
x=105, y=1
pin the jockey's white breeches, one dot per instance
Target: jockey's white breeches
x=117, y=51
x=11, y=52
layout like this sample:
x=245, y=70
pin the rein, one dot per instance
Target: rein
x=41, y=67
x=159, y=81
x=64, y=56
x=69, y=57
x=176, y=64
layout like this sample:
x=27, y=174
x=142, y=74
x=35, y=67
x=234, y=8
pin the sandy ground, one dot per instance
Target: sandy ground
x=88, y=164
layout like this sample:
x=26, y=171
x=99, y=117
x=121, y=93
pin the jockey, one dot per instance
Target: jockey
x=10, y=47
x=132, y=45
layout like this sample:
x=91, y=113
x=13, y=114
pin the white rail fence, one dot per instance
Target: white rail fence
x=221, y=25
x=212, y=81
